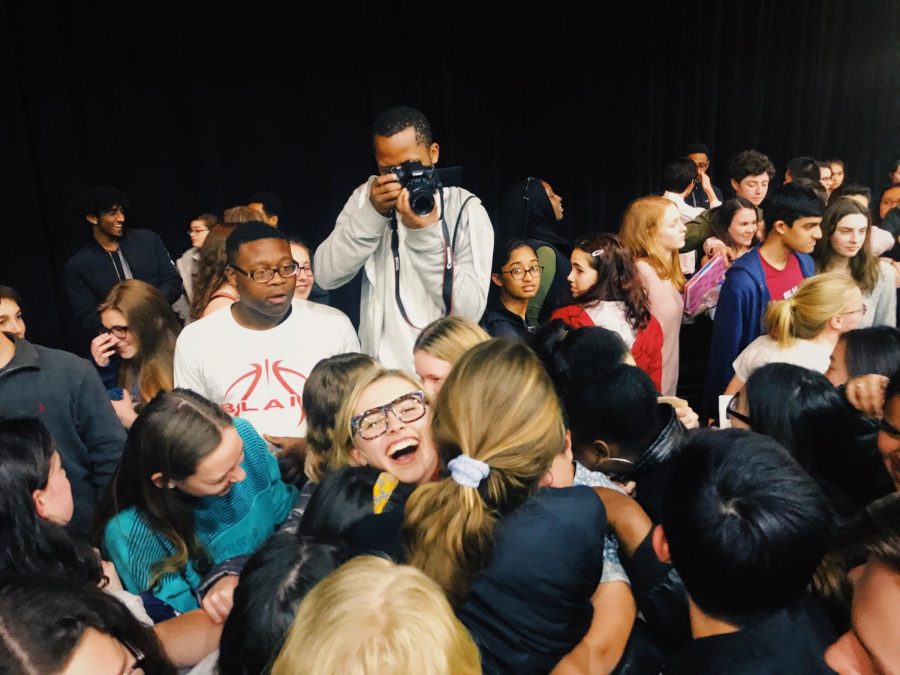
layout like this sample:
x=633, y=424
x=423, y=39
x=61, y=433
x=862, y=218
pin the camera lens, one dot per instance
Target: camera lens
x=421, y=196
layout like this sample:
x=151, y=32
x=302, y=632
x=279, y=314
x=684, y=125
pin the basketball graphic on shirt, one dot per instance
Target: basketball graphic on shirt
x=269, y=386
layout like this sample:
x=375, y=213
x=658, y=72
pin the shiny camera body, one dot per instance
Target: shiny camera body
x=421, y=182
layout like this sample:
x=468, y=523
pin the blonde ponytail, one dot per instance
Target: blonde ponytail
x=499, y=407
x=780, y=321
x=817, y=300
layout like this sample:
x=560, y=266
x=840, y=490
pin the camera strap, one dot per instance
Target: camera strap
x=449, y=248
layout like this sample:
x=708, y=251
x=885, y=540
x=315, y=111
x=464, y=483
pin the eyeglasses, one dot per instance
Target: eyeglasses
x=861, y=308
x=138, y=658
x=731, y=412
x=703, y=166
x=117, y=331
x=374, y=423
x=304, y=270
x=519, y=272
x=197, y=230
x=266, y=274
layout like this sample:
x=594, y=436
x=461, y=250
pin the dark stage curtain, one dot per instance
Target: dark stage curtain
x=191, y=110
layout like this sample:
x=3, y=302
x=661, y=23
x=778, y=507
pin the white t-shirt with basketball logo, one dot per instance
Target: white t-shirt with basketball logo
x=259, y=374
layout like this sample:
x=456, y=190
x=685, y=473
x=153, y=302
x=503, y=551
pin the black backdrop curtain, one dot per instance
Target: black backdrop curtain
x=191, y=109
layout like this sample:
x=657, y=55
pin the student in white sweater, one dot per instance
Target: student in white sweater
x=441, y=260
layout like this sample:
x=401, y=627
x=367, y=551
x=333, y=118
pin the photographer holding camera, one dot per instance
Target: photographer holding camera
x=425, y=249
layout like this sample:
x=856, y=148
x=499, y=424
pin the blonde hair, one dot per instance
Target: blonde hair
x=342, y=440
x=498, y=406
x=153, y=328
x=328, y=384
x=638, y=231
x=242, y=214
x=808, y=311
x=449, y=338
x=373, y=617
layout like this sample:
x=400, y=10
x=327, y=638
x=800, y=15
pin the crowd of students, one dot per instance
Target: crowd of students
x=242, y=483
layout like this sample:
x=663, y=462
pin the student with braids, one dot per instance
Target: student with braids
x=472, y=531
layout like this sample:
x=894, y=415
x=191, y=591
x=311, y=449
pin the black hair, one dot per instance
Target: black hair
x=620, y=407
x=892, y=167
x=799, y=408
x=872, y=350
x=851, y=190
x=749, y=163
x=804, y=167
x=722, y=215
x=575, y=355
x=746, y=526
x=32, y=545
x=394, y=120
x=245, y=233
x=805, y=414
x=696, y=149
x=341, y=500
x=504, y=249
x=678, y=174
x=99, y=200
x=274, y=581
x=788, y=203
x=271, y=203
x=43, y=618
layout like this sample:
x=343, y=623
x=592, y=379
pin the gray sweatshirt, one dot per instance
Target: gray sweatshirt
x=66, y=394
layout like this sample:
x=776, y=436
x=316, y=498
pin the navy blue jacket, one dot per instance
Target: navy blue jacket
x=90, y=273
x=532, y=604
x=739, y=320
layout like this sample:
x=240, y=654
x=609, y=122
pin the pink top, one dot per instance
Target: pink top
x=667, y=305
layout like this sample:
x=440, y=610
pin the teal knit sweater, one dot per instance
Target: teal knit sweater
x=227, y=526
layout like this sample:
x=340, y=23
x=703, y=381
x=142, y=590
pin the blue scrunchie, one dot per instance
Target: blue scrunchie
x=468, y=471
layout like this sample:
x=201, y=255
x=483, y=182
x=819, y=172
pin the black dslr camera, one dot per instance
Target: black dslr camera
x=421, y=182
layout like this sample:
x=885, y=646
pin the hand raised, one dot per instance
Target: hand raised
x=102, y=348
x=384, y=193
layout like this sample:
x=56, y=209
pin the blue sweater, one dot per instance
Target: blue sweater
x=739, y=320
x=227, y=526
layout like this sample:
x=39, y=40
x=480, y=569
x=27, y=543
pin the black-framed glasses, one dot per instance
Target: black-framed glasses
x=520, y=273
x=730, y=412
x=266, y=274
x=138, y=655
x=199, y=230
x=373, y=423
x=117, y=331
x=304, y=270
